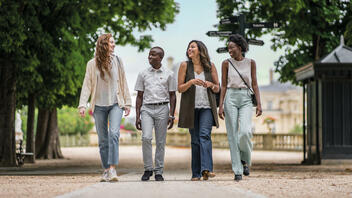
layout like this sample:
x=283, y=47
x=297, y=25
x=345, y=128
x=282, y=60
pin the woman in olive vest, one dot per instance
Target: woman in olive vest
x=198, y=82
x=238, y=83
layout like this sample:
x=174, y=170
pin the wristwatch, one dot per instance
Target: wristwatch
x=172, y=117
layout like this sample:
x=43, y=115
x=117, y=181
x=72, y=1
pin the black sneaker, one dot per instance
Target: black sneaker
x=146, y=175
x=238, y=177
x=159, y=178
x=245, y=168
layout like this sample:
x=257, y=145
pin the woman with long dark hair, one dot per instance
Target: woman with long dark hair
x=238, y=83
x=198, y=82
x=105, y=83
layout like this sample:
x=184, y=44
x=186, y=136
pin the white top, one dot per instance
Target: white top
x=156, y=84
x=106, y=91
x=201, y=99
x=244, y=67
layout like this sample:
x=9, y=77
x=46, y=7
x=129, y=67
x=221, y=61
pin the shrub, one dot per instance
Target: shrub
x=70, y=123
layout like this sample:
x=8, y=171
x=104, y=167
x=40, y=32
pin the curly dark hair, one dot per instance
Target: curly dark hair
x=203, y=53
x=240, y=41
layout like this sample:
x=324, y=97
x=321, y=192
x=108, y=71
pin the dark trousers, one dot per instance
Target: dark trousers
x=202, y=158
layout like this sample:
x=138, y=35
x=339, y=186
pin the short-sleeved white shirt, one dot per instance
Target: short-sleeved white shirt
x=156, y=84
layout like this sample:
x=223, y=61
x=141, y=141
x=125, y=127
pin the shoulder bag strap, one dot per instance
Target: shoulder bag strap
x=240, y=75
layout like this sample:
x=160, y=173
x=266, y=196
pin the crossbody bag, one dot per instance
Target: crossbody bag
x=252, y=94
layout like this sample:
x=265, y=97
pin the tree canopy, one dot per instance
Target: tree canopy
x=55, y=39
x=309, y=29
x=45, y=44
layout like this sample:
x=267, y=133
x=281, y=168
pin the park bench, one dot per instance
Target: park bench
x=20, y=155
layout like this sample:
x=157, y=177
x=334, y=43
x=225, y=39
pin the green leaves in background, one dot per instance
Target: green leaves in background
x=309, y=29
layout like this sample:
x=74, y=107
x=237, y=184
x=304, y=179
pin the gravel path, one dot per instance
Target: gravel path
x=273, y=174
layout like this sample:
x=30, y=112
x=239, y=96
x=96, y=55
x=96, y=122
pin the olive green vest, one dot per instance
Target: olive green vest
x=186, y=116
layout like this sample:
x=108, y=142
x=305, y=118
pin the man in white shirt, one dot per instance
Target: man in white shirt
x=156, y=88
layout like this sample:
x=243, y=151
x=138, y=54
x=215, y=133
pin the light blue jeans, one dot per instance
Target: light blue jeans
x=108, y=133
x=238, y=119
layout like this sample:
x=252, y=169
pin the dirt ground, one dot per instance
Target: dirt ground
x=273, y=174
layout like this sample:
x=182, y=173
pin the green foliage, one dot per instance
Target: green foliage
x=297, y=129
x=128, y=126
x=309, y=29
x=70, y=123
x=50, y=41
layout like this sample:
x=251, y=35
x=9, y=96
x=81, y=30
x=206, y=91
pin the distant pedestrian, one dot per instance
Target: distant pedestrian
x=238, y=83
x=105, y=83
x=155, y=108
x=198, y=82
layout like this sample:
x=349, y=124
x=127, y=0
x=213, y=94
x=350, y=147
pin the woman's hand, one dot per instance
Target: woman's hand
x=258, y=111
x=221, y=112
x=82, y=111
x=208, y=84
x=127, y=111
x=197, y=81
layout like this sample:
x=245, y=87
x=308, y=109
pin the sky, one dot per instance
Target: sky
x=195, y=18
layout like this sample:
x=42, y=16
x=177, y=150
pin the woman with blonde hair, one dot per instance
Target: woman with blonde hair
x=105, y=83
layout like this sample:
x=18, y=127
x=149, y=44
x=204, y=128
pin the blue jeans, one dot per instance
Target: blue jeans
x=201, y=145
x=108, y=133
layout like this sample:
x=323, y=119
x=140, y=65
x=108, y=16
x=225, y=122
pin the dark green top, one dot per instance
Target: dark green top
x=186, y=116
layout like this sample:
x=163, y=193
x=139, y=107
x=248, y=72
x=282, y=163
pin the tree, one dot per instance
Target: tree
x=309, y=29
x=54, y=40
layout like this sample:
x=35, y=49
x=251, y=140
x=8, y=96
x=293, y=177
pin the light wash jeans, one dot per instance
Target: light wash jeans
x=108, y=133
x=201, y=145
x=157, y=117
x=238, y=119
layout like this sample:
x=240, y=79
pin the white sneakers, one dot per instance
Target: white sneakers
x=113, y=176
x=109, y=176
x=105, y=176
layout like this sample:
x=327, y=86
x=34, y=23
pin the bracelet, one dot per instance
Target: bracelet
x=172, y=117
x=213, y=87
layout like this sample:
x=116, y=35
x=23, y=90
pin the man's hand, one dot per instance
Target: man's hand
x=82, y=112
x=170, y=122
x=127, y=111
x=138, y=123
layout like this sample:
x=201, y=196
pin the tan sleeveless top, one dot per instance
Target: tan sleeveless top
x=244, y=67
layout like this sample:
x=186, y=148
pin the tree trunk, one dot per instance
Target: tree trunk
x=47, y=143
x=30, y=129
x=7, y=114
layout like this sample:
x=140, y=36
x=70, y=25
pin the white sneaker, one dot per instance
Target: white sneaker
x=113, y=175
x=105, y=176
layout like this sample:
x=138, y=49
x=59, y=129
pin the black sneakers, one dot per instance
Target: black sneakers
x=159, y=178
x=238, y=177
x=245, y=168
x=146, y=175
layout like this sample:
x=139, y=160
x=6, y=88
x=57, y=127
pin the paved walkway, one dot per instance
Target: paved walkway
x=175, y=186
x=273, y=174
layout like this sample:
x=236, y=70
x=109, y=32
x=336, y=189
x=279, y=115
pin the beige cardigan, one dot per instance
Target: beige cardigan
x=90, y=84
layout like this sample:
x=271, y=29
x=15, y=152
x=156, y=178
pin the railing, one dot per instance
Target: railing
x=74, y=140
x=261, y=141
